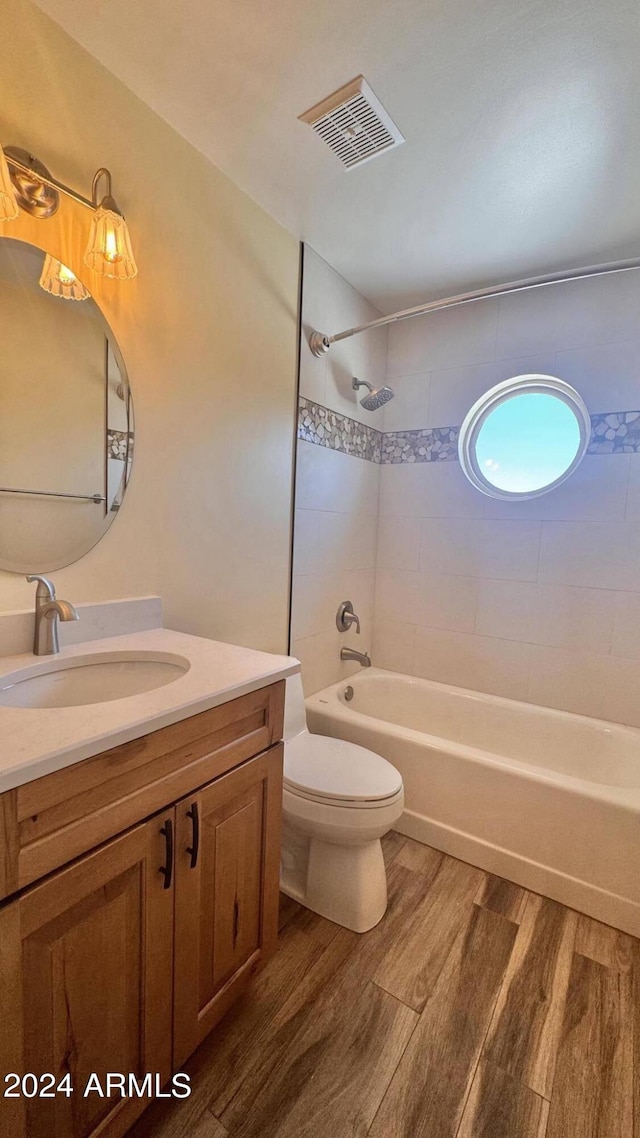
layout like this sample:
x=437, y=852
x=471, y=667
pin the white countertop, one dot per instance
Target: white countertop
x=36, y=741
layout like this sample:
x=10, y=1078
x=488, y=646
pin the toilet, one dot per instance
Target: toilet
x=339, y=800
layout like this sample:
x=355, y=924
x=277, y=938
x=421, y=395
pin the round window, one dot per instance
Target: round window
x=524, y=437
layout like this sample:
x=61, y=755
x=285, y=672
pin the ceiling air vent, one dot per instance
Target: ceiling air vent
x=354, y=124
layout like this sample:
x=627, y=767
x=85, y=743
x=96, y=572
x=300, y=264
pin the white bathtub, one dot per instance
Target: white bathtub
x=547, y=799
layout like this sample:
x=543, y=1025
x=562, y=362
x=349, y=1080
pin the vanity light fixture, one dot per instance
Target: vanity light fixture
x=57, y=279
x=109, y=250
x=8, y=202
x=26, y=184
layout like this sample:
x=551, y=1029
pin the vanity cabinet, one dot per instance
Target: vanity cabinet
x=228, y=841
x=86, y=985
x=124, y=959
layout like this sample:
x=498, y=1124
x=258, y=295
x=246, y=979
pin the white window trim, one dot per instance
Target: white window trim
x=501, y=393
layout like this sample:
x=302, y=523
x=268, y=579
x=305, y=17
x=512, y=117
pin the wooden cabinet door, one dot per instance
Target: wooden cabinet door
x=86, y=984
x=227, y=872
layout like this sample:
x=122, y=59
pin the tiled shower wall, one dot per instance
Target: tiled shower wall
x=536, y=600
x=336, y=493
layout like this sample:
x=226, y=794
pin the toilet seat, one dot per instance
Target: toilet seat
x=345, y=803
x=338, y=773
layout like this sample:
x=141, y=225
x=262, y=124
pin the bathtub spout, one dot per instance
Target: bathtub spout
x=351, y=654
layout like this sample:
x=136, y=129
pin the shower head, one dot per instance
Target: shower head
x=376, y=397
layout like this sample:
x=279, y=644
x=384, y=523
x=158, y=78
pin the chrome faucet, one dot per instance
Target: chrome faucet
x=48, y=611
x=351, y=654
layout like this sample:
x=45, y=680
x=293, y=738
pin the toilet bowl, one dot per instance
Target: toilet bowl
x=339, y=800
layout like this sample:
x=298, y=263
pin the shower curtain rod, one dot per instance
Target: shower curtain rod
x=320, y=343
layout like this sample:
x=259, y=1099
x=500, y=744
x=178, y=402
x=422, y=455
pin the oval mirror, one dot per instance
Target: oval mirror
x=66, y=417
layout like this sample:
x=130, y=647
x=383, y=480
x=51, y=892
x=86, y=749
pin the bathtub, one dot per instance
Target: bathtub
x=544, y=798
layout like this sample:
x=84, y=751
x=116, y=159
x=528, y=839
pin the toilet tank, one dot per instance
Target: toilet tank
x=295, y=715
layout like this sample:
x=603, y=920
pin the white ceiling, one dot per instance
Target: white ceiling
x=522, y=120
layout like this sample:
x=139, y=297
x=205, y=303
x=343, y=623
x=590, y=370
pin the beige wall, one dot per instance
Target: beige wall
x=536, y=600
x=208, y=333
x=336, y=494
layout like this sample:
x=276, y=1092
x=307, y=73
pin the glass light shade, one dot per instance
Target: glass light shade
x=8, y=202
x=109, y=250
x=57, y=279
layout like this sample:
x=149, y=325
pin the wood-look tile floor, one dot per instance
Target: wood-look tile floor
x=473, y=1010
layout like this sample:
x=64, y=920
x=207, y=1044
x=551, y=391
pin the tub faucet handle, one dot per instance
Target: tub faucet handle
x=345, y=617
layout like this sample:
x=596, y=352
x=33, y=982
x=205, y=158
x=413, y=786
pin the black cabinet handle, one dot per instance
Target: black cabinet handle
x=195, y=846
x=167, y=870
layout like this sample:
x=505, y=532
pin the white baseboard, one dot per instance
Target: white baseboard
x=609, y=908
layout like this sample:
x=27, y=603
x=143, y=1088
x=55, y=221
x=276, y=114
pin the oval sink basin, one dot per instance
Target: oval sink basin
x=90, y=679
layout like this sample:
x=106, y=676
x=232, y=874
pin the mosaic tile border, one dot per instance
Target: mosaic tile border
x=612, y=432
x=117, y=442
x=616, y=432
x=431, y=444
x=327, y=428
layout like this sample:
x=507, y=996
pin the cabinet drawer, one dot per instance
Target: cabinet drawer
x=49, y=821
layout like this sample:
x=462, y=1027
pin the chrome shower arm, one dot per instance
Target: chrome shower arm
x=320, y=343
